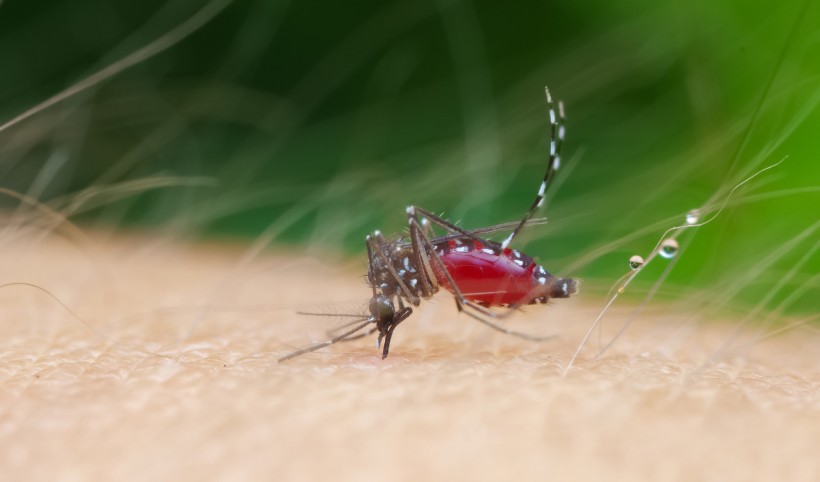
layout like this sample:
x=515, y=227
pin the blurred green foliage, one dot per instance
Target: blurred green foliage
x=320, y=121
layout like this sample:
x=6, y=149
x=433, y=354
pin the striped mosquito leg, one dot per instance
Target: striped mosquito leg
x=556, y=140
x=561, y=133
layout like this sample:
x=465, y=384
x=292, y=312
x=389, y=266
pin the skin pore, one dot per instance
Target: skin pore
x=166, y=369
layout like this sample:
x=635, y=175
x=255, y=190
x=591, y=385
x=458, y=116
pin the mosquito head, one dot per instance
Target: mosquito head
x=381, y=308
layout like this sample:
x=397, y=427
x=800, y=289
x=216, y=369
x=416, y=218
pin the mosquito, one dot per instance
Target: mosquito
x=480, y=273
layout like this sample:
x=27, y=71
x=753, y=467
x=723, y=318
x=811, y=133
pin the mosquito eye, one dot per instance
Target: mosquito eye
x=381, y=308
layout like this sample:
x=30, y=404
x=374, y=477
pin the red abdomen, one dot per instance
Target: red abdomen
x=489, y=276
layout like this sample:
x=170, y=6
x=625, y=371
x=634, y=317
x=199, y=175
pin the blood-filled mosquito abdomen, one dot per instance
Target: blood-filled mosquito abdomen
x=495, y=277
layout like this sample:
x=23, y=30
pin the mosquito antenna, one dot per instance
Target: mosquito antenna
x=556, y=140
x=326, y=343
x=351, y=319
x=356, y=318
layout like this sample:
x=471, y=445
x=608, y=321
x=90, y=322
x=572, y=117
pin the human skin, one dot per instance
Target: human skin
x=165, y=369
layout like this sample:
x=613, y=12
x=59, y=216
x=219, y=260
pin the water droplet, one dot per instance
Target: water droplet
x=635, y=262
x=669, y=248
x=692, y=217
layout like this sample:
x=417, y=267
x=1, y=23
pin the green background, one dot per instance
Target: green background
x=320, y=121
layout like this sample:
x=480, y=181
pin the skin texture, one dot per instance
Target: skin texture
x=172, y=374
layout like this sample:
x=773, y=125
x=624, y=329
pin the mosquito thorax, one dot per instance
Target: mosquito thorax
x=401, y=260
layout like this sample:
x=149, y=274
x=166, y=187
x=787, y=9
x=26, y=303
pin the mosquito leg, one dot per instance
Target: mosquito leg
x=556, y=141
x=482, y=231
x=427, y=280
x=457, y=232
x=326, y=343
x=505, y=330
x=415, y=212
x=367, y=242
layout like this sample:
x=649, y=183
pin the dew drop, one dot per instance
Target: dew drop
x=669, y=248
x=692, y=217
x=635, y=262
